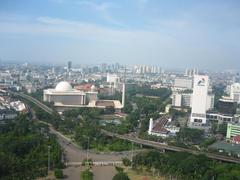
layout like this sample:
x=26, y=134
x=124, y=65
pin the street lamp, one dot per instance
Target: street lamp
x=87, y=150
x=49, y=147
x=132, y=156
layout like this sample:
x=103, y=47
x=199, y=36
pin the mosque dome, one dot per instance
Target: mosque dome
x=63, y=86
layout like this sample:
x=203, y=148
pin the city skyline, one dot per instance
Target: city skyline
x=167, y=34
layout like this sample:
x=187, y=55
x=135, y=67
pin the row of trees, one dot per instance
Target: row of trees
x=182, y=165
x=88, y=132
x=83, y=125
x=127, y=125
x=147, y=107
x=162, y=93
x=24, y=150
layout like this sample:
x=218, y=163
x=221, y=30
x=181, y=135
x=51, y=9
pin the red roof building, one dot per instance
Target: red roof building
x=236, y=139
x=83, y=87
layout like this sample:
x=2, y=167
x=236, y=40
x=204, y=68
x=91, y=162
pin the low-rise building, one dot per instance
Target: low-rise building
x=162, y=127
x=18, y=106
x=64, y=95
x=226, y=112
x=104, y=104
x=233, y=130
x=236, y=139
x=6, y=113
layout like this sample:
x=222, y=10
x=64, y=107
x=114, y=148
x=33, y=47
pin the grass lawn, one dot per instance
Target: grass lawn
x=110, y=117
x=143, y=176
x=50, y=176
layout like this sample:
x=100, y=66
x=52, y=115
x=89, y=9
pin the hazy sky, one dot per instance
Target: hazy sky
x=168, y=33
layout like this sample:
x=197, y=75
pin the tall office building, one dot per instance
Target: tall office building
x=69, y=65
x=199, y=99
x=235, y=92
x=113, y=79
x=183, y=83
x=181, y=99
x=227, y=106
x=104, y=67
x=191, y=72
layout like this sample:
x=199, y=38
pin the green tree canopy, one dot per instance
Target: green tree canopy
x=121, y=176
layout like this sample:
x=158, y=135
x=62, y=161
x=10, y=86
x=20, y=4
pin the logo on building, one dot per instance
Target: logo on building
x=201, y=82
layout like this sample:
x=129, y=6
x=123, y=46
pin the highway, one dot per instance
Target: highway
x=141, y=141
x=162, y=146
x=33, y=100
x=74, y=155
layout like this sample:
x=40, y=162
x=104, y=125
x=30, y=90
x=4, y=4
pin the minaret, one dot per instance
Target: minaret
x=123, y=94
x=123, y=90
x=186, y=72
x=150, y=125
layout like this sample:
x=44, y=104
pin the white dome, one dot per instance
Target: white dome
x=63, y=86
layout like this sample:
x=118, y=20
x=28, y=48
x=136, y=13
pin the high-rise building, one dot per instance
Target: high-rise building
x=104, y=67
x=235, y=92
x=227, y=106
x=177, y=100
x=183, y=83
x=113, y=80
x=191, y=72
x=69, y=65
x=199, y=99
x=182, y=99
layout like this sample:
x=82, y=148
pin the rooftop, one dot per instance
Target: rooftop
x=159, y=125
x=104, y=103
x=227, y=147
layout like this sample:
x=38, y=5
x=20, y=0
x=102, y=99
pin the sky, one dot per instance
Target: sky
x=168, y=33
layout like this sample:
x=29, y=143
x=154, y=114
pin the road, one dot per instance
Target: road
x=74, y=154
x=33, y=100
x=142, y=141
x=172, y=148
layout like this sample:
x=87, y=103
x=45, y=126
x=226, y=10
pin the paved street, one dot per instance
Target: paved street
x=75, y=154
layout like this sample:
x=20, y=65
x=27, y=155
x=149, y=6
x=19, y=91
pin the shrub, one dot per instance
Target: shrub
x=58, y=173
x=86, y=175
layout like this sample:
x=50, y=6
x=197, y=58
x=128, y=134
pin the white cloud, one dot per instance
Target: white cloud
x=77, y=29
x=102, y=9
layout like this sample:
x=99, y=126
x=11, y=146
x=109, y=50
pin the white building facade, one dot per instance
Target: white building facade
x=235, y=92
x=183, y=83
x=64, y=94
x=162, y=127
x=113, y=80
x=200, y=99
x=182, y=99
